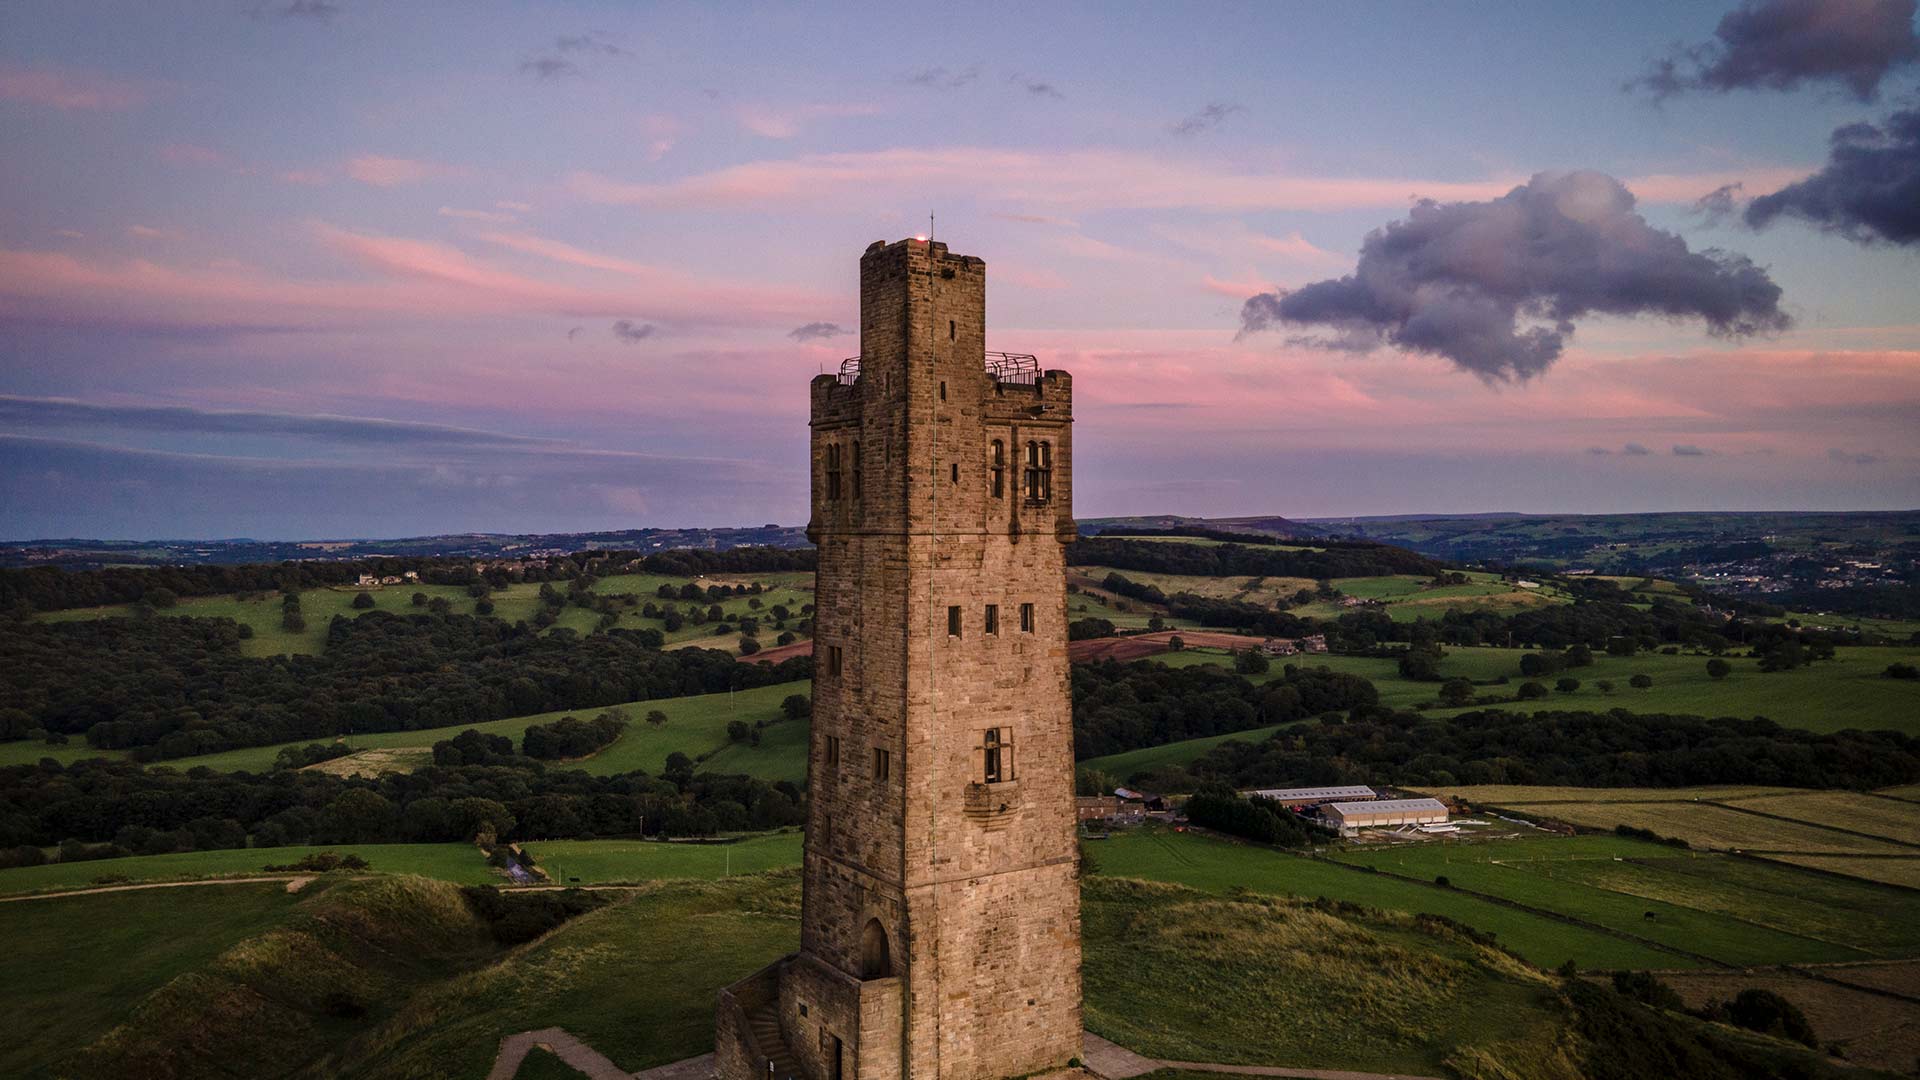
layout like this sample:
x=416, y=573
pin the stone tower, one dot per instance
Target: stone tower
x=940, y=926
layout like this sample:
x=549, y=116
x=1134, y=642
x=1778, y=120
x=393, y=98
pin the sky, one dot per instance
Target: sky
x=331, y=268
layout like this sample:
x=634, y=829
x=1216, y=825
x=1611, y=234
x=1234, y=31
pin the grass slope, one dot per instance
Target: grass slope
x=1219, y=866
x=74, y=966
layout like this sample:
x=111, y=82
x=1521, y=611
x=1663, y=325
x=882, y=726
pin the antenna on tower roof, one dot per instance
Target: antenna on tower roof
x=929, y=228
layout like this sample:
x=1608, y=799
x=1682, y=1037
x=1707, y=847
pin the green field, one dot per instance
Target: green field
x=1182, y=753
x=603, y=862
x=1727, y=909
x=514, y=603
x=462, y=864
x=695, y=725
x=1832, y=695
x=1218, y=866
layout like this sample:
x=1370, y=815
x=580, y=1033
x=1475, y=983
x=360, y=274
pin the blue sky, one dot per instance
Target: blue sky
x=218, y=221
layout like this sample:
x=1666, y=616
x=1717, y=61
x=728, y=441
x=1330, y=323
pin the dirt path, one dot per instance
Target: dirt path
x=294, y=884
x=1115, y=1062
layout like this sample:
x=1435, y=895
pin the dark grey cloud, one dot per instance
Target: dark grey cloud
x=1634, y=449
x=575, y=332
x=631, y=332
x=1208, y=118
x=591, y=43
x=314, y=10
x=33, y=413
x=940, y=78
x=1781, y=44
x=1688, y=450
x=1854, y=457
x=1457, y=279
x=816, y=331
x=549, y=67
x=1869, y=190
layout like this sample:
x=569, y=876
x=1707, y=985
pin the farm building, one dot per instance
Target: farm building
x=1350, y=817
x=1096, y=807
x=1313, y=796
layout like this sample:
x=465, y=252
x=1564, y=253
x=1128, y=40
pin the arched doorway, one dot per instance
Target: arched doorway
x=876, y=959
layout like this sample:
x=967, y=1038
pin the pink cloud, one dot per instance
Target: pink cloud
x=461, y=213
x=393, y=172
x=305, y=177
x=1072, y=180
x=70, y=89
x=787, y=121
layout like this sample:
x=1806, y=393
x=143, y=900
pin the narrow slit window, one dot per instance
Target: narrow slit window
x=834, y=661
x=997, y=468
x=833, y=750
x=858, y=478
x=882, y=764
x=943, y=389
x=833, y=471
x=953, y=622
x=993, y=619
x=951, y=330
x=955, y=474
x=1026, y=618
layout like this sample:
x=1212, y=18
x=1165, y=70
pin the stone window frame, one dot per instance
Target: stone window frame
x=954, y=625
x=834, y=463
x=836, y=661
x=859, y=476
x=991, y=620
x=831, y=751
x=1038, y=481
x=994, y=757
x=1026, y=618
x=882, y=764
x=997, y=467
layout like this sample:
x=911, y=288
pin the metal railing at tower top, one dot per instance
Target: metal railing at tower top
x=1017, y=369
x=1013, y=369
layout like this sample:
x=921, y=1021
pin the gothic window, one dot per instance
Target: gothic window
x=1039, y=472
x=882, y=764
x=875, y=959
x=996, y=755
x=953, y=622
x=997, y=468
x=993, y=619
x=1026, y=618
x=833, y=471
x=858, y=479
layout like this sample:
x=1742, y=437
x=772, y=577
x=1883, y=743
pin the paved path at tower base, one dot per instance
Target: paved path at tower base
x=1106, y=1060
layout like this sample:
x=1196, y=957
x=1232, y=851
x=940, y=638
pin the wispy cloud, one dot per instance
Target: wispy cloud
x=319, y=11
x=150, y=232
x=1209, y=117
x=463, y=214
x=1634, y=449
x=940, y=78
x=70, y=90
x=1853, y=457
x=1040, y=181
x=1688, y=450
x=787, y=121
x=395, y=171
x=43, y=412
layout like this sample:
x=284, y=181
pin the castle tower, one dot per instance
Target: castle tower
x=940, y=926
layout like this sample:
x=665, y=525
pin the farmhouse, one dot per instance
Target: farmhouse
x=1307, y=796
x=1096, y=807
x=1351, y=817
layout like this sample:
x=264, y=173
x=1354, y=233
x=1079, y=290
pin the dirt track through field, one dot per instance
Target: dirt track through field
x=295, y=882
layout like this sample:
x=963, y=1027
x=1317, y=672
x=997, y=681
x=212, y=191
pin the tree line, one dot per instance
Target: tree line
x=1119, y=707
x=167, y=688
x=1339, y=559
x=103, y=808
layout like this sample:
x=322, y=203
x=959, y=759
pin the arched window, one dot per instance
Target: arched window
x=997, y=468
x=876, y=960
x=1039, y=472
